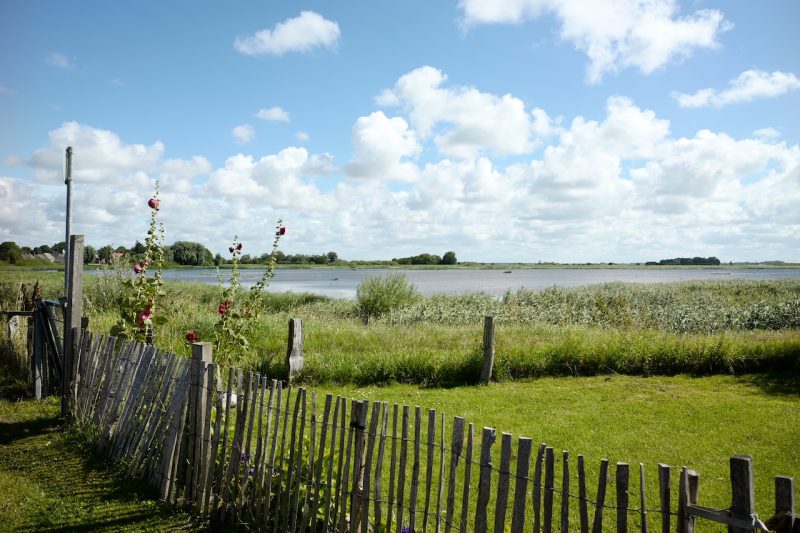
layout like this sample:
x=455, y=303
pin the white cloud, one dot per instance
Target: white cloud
x=767, y=133
x=276, y=113
x=380, y=145
x=614, y=34
x=306, y=31
x=463, y=121
x=302, y=136
x=6, y=90
x=244, y=133
x=747, y=86
x=60, y=60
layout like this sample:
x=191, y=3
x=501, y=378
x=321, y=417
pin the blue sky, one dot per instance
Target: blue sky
x=514, y=130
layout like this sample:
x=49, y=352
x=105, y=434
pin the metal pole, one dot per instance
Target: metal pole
x=68, y=182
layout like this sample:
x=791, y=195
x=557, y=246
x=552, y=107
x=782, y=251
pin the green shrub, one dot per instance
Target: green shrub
x=378, y=296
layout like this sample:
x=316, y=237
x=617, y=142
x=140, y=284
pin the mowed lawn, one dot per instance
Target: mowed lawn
x=680, y=421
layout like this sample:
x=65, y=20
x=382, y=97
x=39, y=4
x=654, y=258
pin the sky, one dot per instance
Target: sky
x=504, y=130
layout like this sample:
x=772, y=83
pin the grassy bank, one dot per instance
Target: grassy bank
x=699, y=327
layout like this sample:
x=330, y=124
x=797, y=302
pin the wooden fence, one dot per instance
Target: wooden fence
x=254, y=453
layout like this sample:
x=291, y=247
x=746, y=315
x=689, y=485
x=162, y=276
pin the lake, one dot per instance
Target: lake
x=342, y=282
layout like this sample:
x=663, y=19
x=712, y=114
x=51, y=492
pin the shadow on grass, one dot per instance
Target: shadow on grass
x=14, y=431
x=776, y=383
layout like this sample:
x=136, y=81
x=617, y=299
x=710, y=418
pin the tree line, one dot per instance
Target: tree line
x=686, y=261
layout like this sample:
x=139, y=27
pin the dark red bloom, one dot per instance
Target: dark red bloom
x=282, y=230
x=191, y=336
x=224, y=306
x=230, y=249
x=154, y=203
x=239, y=247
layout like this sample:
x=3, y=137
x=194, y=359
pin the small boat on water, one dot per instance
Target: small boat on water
x=507, y=272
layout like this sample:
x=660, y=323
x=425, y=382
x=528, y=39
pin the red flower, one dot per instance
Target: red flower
x=230, y=249
x=224, y=306
x=191, y=336
x=137, y=268
x=154, y=203
x=239, y=247
x=145, y=315
x=281, y=231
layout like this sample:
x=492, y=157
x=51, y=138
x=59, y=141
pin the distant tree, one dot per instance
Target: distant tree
x=332, y=257
x=138, y=248
x=26, y=250
x=449, y=258
x=191, y=253
x=9, y=251
x=121, y=249
x=218, y=260
x=58, y=248
x=89, y=254
x=105, y=253
x=43, y=249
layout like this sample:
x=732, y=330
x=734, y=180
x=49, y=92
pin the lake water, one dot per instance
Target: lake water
x=342, y=283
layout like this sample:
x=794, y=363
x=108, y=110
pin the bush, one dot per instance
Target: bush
x=379, y=295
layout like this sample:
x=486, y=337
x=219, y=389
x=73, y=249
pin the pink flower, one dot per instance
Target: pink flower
x=281, y=231
x=154, y=203
x=145, y=315
x=191, y=336
x=224, y=306
x=137, y=268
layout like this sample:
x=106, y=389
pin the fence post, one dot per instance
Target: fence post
x=72, y=320
x=294, y=352
x=38, y=353
x=785, y=519
x=689, y=484
x=201, y=357
x=488, y=350
x=743, y=504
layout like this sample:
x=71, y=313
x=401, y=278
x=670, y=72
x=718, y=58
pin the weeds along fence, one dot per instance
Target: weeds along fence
x=254, y=453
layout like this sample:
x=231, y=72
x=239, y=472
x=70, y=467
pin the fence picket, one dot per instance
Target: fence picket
x=456, y=448
x=331, y=455
x=401, y=475
x=549, y=479
x=503, y=483
x=622, y=480
x=601, y=497
x=378, y=489
x=429, y=467
x=367, y=478
x=537, y=489
x=664, y=496
x=412, y=505
x=582, y=501
x=565, y=493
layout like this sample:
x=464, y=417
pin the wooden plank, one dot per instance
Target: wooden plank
x=503, y=482
x=549, y=480
x=320, y=463
x=456, y=447
x=249, y=470
x=331, y=455
x=401, y=475
x=642, y=499
x=467, y=480
x=270, y=466
x=213, y=449
x=377, y=494
x=72, y=320
x=565, y=493
x=623, y=477
x=339, y=467
x=294, y=351
x=687, y=496
x=312, y=470
x=358, y=421
x=258, y=457
x=367, y=477
x=175, y=415
x=220, y=471
x=602, y=482
x=429, y=467
x=286, y=501
x=392, y=463
x=784, y=503
x=582, y=501
x=295, y=500
x=412, y=505
x=206, y=460
x=524, y=448
x=230, y=487
x=441, y=477
x=282, y=477
x=664, y=496
x=537, y=489
x=344, y=501
x=743, y=503
x=485, y=480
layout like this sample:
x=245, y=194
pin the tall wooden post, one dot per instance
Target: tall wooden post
x=201, y=358
x=39, y=353
x=72, y=320
x=743, y=504
x=294, y=351
x=488, y=350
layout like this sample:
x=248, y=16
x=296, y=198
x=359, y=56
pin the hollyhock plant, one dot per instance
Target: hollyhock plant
x=191, y=336
x=138, y=304
x=240, y=310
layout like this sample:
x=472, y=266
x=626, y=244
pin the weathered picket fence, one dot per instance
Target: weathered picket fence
x=256, y=454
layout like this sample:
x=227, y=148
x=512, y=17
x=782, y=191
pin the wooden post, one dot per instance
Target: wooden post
x=72, y=319
x=784, y=504
x=689, y=482
x=201, y=357
x=488, y=350
x=38, y=353
x=294, y=352
x=743, y=504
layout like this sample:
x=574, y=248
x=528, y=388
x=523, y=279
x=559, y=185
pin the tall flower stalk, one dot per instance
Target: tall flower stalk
x=139, y=312
x=238, y=310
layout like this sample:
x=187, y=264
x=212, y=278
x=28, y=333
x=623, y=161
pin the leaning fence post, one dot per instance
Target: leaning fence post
x=294, y=352
x=488, y=350
x=72, y=320
x=38, y=353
